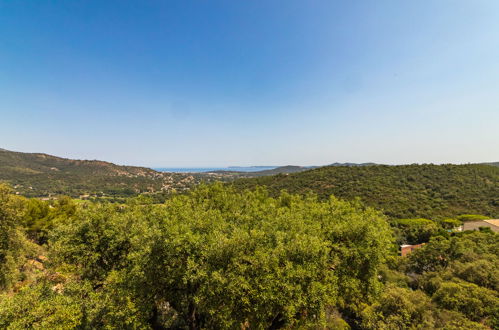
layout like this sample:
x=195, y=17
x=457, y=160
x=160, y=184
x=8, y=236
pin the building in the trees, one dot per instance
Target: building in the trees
x=493, y=224
x=405, y=249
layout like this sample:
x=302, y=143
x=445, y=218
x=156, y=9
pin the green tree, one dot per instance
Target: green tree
x=68, y=305
x=415, y=231
x=12, y=241
x=216, y=258
x=400, y=308
x=472, y=217
x=483, y=272
x=473, y=301
x=449, y=223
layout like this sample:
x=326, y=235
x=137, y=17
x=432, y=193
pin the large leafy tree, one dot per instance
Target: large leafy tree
x=218, y=258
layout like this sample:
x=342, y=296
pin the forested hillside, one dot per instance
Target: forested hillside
x=400, y=191
x=277, y=170
x=42, y=175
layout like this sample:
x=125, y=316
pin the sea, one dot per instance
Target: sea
x=212, y=169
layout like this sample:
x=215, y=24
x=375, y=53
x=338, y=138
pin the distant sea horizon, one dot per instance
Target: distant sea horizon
x=212, y=169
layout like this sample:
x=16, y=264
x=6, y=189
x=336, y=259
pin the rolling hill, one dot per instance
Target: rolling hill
x=42, y=175
x=278, y=170
x=401, y=191
x=281, y=170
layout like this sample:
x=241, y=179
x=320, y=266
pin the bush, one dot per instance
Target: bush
x=68, y=305
x=450, y=223
x=472, y=217
x=473, y=301
x=400, y=308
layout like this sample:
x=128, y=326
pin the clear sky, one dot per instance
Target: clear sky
x=217, y=83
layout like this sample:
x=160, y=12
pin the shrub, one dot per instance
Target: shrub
x=472, y=217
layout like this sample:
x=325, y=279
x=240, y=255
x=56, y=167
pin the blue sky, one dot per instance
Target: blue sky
x=217, y=83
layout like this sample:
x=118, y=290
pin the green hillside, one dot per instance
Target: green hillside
x=40, y=175
x=401, y=191
x=278, y=170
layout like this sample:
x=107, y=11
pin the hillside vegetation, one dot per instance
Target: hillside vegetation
x=209, y=259
x=492, y=164
x=274, y=171
x=41, y=175
x=403, y=191
x=216, y=258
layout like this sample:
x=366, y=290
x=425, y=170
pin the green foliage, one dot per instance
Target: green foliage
x=473, y=301
x=216, y=258
x=460, y=273
x=449, y=223
x=414, y=231
x=39, y=307
x=389, y=275
x=97, y=239
x=41, y=216
x=12, y=241
x=41, y=175
x=400, y=308
x=407, y=191
x=472, y=217
x=68, y=305
x=440, y=252
x=483, y=272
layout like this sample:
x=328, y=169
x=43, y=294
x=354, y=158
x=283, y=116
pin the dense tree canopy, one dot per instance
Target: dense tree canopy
x=42, y=175
x=460, y=273
x=222, y=258
x=405, y=191
x=414, y=231
x=213, y=258
x=12, y=243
